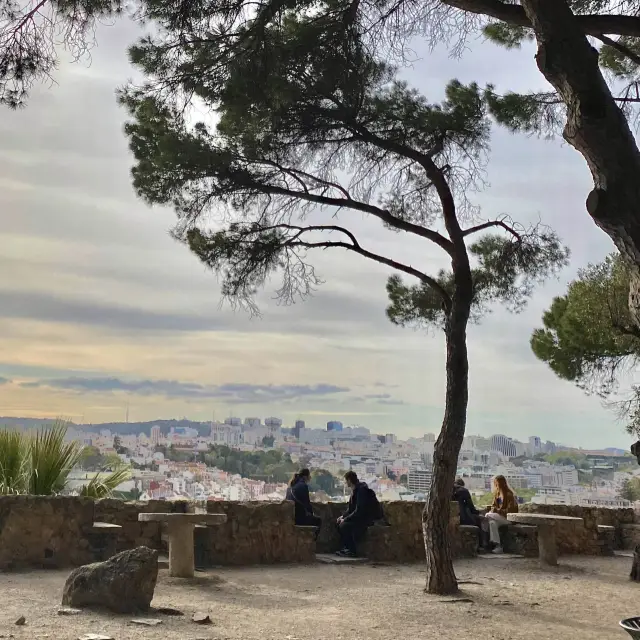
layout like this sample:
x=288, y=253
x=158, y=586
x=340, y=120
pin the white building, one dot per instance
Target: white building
x=419, y=481
x=156, y=433
x=503, y=445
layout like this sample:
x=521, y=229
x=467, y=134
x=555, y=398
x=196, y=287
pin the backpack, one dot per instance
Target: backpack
x=375, y=508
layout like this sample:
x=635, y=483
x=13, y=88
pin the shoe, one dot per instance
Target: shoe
x=498, y=550
x=346, y=553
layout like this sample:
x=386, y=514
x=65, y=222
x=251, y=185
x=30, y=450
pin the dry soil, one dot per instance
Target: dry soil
x=502, y=599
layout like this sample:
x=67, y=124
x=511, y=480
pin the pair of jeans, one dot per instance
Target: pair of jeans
x=494, y=522
x=351, y=533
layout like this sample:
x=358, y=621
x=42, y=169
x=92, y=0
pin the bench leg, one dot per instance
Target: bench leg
x=181, y=557
x=547, y=546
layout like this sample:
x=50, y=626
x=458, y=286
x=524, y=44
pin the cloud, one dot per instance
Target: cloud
x=231, y=392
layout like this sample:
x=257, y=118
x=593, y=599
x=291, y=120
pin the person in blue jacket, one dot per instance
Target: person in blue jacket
x=298, y=493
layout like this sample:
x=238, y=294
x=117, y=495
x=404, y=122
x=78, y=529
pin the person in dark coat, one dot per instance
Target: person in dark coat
x=298, y=493
x=358, y=517
x=468, y=512
x=469, y=515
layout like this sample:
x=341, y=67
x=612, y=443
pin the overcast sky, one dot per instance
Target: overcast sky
x=100, y=308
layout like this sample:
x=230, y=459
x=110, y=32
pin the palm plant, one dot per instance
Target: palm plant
x=41, y=464
x=13, y=462
x=51, y=460
x=103, y=486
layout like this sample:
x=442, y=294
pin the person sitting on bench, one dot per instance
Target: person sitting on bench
x=363, y=510
x=469, y=515
x=298, y=493
x=504, y=502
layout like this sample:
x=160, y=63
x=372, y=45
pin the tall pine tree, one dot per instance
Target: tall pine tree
x=307, y=131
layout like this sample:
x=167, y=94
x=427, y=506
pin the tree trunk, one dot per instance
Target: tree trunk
x=441, y=578
x=596, y=127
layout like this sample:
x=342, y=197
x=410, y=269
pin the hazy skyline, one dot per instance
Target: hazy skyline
x=102, y=309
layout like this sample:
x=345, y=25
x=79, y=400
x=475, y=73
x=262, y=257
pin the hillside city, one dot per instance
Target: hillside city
x=254, y=458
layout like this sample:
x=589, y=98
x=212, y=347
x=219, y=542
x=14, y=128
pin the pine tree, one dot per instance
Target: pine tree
x=309, y=122
x=589, y=336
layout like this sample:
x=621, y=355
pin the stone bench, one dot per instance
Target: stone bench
x=520, y=539
x=103, y=540
x=469, y=539
x=630, y=536
x=606, y=540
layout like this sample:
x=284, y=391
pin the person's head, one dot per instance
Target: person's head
x=459, y=482
x=351, y=479
x=500, y=486
x=303, y=474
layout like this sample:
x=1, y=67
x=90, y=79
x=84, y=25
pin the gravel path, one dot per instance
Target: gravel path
x=503, y=599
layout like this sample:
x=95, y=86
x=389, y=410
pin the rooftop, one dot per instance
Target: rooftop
x=501, y=599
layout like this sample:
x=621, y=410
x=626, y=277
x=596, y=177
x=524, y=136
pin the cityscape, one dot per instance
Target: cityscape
x=253, y=458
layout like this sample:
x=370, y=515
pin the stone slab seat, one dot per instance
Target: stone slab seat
x=629, y=536
x=103, y=540
x=606, y=539
x=469, y=539
x=106, y=527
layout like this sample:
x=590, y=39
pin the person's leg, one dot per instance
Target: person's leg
x=346, y=530
x=479, y=522
x=317, y=523
x=495, y=522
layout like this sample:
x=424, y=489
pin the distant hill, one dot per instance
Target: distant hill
x=25, y=423
x=120, y=428
x=130, y=428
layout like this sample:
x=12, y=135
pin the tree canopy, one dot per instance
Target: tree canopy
x=589, y=336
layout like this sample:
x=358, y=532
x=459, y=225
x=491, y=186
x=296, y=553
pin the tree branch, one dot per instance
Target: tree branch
x=614, y=44
x=350, y=203
x=492, y=223
x=355, y=246
x=592, y=24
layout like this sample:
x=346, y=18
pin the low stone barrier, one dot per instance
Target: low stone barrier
x=42, y=531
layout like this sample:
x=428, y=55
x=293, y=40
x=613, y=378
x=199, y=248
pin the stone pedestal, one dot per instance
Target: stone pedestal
x=180, y=528
x=547, y=546
x=181, y=556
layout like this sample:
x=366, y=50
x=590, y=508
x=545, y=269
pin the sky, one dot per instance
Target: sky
x=100, y=309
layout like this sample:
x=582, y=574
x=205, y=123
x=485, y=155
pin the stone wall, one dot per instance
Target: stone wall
x=44, y=531
x=255, y=533
x=402, y=541
x=584, y=539
x=38, y=531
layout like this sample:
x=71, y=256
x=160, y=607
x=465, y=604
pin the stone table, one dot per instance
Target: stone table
x=546, y=524
x=180, y=528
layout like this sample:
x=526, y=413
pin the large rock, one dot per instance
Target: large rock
x=124, y=583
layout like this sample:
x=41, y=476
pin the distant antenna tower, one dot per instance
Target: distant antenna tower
x=126, y=419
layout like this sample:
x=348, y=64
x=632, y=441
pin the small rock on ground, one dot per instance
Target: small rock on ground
x=68, y=611
x=95, y=636
x=147, y=622
x=201, y=618
x=21, y=621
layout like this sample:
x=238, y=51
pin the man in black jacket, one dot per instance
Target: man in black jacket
x=469, y=515
x=358, y=517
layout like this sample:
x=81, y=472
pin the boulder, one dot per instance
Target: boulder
x=123, y=584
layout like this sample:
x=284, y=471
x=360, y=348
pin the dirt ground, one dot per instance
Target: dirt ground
x=503, y=599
